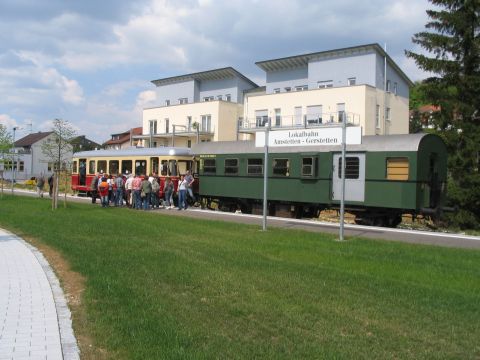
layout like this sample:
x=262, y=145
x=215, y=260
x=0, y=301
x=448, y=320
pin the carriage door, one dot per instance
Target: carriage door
x=82, y=171
x=354, y=177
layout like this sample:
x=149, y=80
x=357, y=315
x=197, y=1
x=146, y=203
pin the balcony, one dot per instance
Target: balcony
x=251, y=125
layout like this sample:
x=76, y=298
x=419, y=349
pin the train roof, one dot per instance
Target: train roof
x=406, y=142
x=157, y=151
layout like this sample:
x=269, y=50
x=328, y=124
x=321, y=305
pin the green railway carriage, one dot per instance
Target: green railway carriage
x=385, y=176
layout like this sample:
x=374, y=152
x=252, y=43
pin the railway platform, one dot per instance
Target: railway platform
x=35, y=322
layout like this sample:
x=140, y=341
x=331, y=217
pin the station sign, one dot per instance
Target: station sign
x=310, y=137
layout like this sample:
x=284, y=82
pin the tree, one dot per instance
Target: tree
x=453, y=39
x=59, y=151
x=6, y=144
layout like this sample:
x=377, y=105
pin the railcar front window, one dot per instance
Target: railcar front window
x=255, y=167
x=231, y=166
x=281, y=167
x=307, y=166
x=91, y=167
x=209, y=166
x=352, y=167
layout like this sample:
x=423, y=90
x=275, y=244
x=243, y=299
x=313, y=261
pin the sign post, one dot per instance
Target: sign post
x=332, y=135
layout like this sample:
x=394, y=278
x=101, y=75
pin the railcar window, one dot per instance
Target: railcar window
x=397, y=168
x=231, y=166
x=164, y=168
x=209, y=166
x=91, y=167
x=182, y=166
x=140, y=167
x=154, y=165
x=281, y=167
x=126, y=166
x=113, y=167
x=172, y=168
x=255, y=167
x=352, y=167
x=307, y=166
x=102, y=166
x=74, y=167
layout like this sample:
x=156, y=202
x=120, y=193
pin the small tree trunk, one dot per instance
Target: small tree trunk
x=65, y=191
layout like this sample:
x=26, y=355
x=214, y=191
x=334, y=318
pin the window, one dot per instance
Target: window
x=341, y=112
x=153, y=126
x=255, y=166
x=208, y=98
x=231, y=166
x=167, y=126
x=377, y=117
x=228, y=97
x=74, y=167
x=172, y=168
x=141, y=167
x=314, y=114
x=352, y=167
x=387, y=114
x=167, y=102
x=91, y=167
x=298, y=116
x=21, y=166
x=206, y=123
x=189, y=123
x=325, y=84
x=261, y=118
x=189, y=143
x=102, y=166
x=209, y=166
x=301, y=88
x=308, y=168
x=219, y=97
x=164, y=168
x=154, y=165
x=182, y=101
x=397, y=168
x=278, y=117
x=288, y=89
x=387, y=86
x=276, y=90
x=351, y=81
x=281, y=167
x=126, y=166
x=395, y=88
x=113, y=166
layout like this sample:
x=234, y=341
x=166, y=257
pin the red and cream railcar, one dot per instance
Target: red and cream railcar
x=162, y=161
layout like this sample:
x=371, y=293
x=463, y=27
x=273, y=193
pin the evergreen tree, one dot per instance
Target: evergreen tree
x=452, y=36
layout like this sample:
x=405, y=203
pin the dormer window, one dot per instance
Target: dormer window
x=288, y=89
x=301, y=88
x=351, y=81
x=183, y=101
x=276, y=91
x=228, y=97
x=325, y=84
x=167, y=102
x=208, y=98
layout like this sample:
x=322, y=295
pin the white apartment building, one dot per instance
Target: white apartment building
x=360, y=84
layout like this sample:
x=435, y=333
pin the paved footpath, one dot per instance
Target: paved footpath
x=35, y=321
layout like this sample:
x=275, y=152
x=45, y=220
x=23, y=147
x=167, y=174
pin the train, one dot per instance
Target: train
x=385, y=176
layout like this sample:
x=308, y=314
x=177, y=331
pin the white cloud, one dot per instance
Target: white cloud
x=8, y=121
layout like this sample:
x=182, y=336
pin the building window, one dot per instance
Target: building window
x=325, y=84
x=276, y=90
x=206, y=123
x=308, y=167
x=228, y=97
x=288, y=89
x=167, y=126
x=395, y=88
x=387, y=86
x=261, y=118
x=208, y=98
x=21, y=166
x=281, y=167
x=387, y=114
x=341, y=112
x=255, y=166
x=182, y=101
x=314, y=114
x=352, y=167
x=231, y=166
x=278, y=117
x=351, y=81
x=377, y=117
x=397, y=168
x=301, y=88
x=167, y=102
x=189, y=123
x=153, y=126
x=209, y=166
x=189, y=143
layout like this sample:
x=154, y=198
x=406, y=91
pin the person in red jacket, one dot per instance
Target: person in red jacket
x=103, y=191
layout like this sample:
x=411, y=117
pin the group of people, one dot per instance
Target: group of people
x=41, y=184
x=141, y=191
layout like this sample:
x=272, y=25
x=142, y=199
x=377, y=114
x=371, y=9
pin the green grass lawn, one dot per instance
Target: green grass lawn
x=164, y=287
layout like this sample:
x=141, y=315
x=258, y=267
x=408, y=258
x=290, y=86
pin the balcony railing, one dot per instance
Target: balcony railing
x=298, y=121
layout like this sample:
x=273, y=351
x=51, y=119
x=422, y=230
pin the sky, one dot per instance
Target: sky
x=92, y=62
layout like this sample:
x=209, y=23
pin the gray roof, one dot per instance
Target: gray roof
x=158, y=151
x=408, y=142
x=297, y=61
x=216, y=74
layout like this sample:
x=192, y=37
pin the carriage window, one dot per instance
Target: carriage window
x=209, y=166
x=352, y=167
x=182, y=166
x=140, y=167
x=397, y=168
x=231, y=166
x=126, y=166
x=173, y=167
x=74, y=167
x=91, y=167
x=164, y=168
x=154, y=165
x=281, y=167
x=113, y=167
x=308, y=168
x=102, y=166
x=255, y=167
